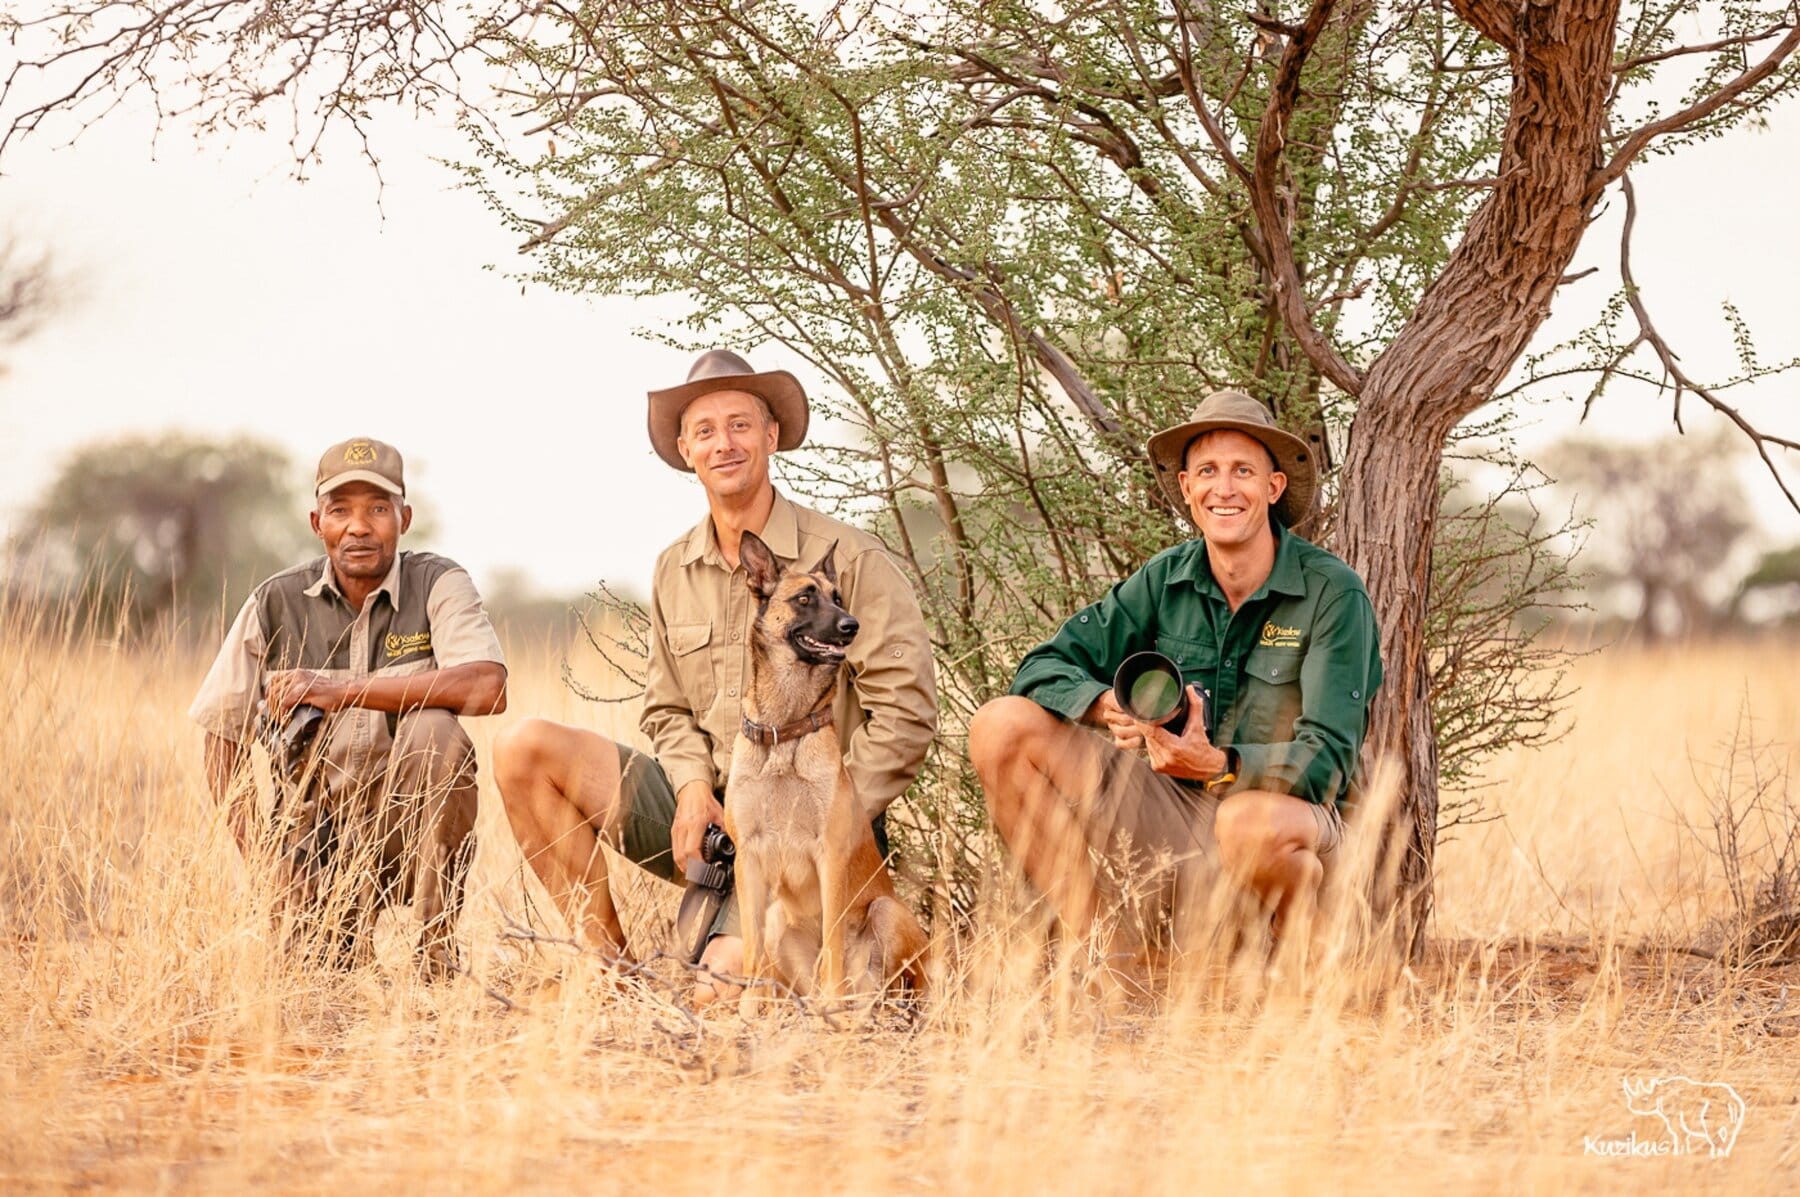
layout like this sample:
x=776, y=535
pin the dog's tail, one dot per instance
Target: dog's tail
x=905, y=950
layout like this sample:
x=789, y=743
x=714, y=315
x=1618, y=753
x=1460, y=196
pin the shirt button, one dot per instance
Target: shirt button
x=1274, y=672
x=896, y=652
x=732, y=692
x=734, y=635
x=1356, y=694
x=1084, y=619
x=1229, y=662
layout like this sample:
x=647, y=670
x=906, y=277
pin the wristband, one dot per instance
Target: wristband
x=1224, y=779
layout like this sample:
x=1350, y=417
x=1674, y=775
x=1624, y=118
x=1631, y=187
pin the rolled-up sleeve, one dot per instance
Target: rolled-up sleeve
x=1338, y=676
x=460, y=629
x=1067, y=672
x=226, y=702
x=676, y=739
x=892, y=673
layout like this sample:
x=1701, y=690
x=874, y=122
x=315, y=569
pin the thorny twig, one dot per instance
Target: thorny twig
x=1674, y=376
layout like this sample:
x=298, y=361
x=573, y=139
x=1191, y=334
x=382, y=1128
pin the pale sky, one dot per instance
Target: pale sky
x=215, y=293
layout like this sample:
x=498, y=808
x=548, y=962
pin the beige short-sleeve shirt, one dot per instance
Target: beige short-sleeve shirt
x=426, y=614
x=700, y=615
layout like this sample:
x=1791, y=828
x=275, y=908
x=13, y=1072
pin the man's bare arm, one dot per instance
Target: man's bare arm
x=474, y=688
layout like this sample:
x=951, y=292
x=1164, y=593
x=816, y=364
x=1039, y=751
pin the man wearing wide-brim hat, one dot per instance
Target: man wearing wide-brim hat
x=1129, y=831
x=568, y=790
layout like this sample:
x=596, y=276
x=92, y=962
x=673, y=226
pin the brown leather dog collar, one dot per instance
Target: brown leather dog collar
x=768, y=737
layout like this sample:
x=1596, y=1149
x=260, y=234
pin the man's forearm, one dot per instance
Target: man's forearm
x=224, y=777
x=477, y=688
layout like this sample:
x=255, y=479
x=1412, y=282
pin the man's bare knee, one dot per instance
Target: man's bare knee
x=519, y=755
x=1005, y=739
x=1256, y=839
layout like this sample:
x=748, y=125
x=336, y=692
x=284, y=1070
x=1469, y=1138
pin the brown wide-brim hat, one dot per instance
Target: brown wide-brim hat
x=723, y=370
x=1238, y=412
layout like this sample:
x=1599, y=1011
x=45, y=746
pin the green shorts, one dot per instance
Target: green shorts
x=641, y=828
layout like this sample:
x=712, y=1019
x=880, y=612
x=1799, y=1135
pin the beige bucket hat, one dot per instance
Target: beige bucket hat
x=723, y=370
x=1240, y=413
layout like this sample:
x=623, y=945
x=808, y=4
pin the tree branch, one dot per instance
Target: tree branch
x=1273, y=206
x=1698, y=111
x=1671, y=361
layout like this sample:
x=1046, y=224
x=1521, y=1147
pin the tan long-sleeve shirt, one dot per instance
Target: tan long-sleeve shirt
x=700, y=615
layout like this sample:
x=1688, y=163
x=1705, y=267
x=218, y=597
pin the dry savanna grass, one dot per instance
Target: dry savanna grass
x=157, y=1038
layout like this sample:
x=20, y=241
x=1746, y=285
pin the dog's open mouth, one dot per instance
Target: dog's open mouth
x=818, y=648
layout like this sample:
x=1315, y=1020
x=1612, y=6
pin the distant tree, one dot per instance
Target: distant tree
x=174, y=526
x=1669, y=516
x=1774, y=581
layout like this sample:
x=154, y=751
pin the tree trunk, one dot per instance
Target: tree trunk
x=1469, y=329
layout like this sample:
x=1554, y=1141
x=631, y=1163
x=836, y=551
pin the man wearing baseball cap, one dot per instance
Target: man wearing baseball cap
x=568, y=790
x=354, y=668
x=1128, y=830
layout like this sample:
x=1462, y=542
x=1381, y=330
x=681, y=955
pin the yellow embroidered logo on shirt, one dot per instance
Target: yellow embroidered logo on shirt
x=399, y=646
x=1276, y=636
x=359, y=453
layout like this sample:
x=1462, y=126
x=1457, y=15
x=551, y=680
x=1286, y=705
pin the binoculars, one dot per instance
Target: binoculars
x=709, y=885
x=1149, y=687
x=289, y=738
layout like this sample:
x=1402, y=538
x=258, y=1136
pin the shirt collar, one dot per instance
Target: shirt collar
x=781, y=534
x=327, y=580
x=1285, y=576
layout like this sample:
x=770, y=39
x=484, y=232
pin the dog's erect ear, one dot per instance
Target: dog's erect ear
x=761, y=569
x=827, y=564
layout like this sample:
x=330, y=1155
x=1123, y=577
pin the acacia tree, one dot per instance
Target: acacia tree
x=167, y=527
x=1677, y=515
x=1018, y=236
x=1363, y=211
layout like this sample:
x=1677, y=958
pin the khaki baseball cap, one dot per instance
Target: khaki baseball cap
x=361, y=459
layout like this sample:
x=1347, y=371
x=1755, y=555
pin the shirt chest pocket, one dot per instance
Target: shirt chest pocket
x=693, y=663
x=1271, y=701
x=1195, y=656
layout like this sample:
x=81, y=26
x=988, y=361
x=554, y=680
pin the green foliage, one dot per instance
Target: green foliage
x=163, y=528
x=1775, y=580
x=1015, y=241
x=1779, y=568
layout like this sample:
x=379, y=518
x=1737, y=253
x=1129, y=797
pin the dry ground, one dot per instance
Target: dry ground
x=155, y=1041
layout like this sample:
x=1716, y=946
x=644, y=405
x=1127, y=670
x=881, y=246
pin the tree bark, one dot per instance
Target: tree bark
x=1469, y=329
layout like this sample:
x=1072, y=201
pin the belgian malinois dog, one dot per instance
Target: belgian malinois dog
x=815, y=900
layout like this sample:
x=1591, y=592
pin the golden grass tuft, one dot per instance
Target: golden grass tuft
x=157, y=1039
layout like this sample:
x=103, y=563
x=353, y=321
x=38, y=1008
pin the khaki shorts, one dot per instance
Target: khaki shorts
x=1151, y=838
x=641, y=828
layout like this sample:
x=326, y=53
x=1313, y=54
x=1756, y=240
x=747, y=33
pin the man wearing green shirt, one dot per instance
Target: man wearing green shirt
x=1276, y=636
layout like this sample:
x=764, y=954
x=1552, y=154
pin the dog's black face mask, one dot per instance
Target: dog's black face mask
x=820, y=630
x=802, y=607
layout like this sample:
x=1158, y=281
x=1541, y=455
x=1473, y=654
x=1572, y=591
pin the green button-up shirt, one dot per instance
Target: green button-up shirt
x=1290, y=673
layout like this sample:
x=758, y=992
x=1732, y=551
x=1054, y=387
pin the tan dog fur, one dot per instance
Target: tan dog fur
x=816, y=904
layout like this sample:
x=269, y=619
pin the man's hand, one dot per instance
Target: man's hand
x=1127, y=733
x=1189, y=756
x=695, y=810
x=286, y=689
